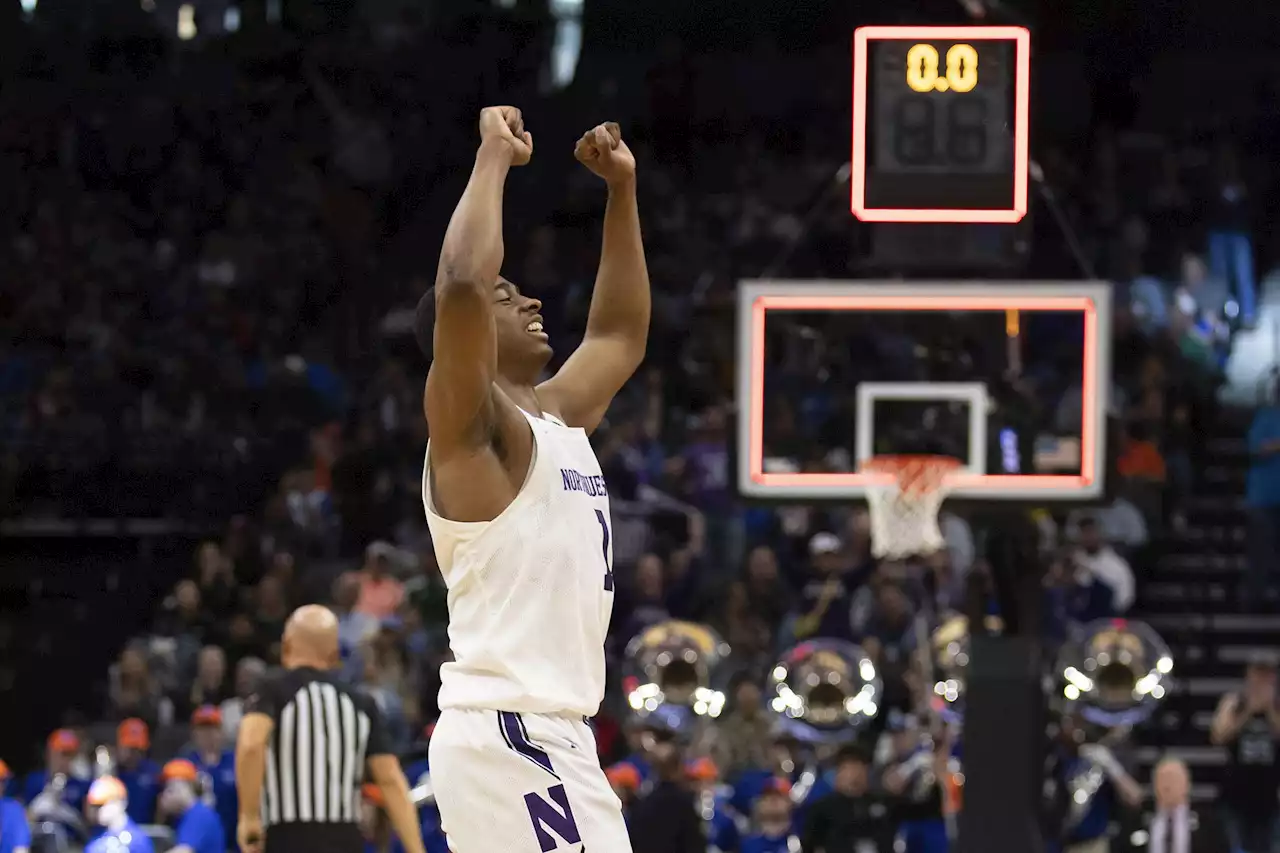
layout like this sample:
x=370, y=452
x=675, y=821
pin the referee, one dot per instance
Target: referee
x=304, y=744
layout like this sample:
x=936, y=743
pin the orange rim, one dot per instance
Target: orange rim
x=917, y=474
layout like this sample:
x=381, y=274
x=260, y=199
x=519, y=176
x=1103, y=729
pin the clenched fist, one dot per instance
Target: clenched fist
x=602, y=150
x=506, y=124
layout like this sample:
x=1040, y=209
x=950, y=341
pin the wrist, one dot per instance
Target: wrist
x=626, y=184
x=495, y=150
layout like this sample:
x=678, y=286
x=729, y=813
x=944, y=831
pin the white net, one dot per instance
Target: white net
x=904, y=510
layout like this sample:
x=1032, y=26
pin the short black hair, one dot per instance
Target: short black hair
x=852, y=753
x=424, y=322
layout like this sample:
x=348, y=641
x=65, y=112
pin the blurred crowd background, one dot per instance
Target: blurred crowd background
x=217, y=222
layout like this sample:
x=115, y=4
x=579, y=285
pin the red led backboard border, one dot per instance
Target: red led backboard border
x=1022, y=96
x=1091, y=299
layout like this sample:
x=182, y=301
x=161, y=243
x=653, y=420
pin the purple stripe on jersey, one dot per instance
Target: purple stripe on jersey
x=513, y=733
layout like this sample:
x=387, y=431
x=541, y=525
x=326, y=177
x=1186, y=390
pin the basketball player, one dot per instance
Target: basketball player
x=519, y=515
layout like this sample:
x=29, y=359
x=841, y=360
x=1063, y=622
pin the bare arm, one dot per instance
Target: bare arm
x=251, y=765
x=618, y=322
x=460, y=383
x=1129, y=790
x=386, y=772
x=1226, y=721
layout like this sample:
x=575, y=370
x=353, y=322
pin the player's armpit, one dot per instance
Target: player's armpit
x=581, y=391
x=459, y=393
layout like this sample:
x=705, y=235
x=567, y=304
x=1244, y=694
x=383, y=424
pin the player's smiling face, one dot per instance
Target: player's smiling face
x=521, y=338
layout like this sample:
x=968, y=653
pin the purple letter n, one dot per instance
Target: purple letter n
x=547, y=818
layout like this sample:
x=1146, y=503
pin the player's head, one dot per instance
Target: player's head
x=523, y=348
x=310, y=639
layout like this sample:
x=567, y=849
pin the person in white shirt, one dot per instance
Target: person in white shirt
x=249, y=674
x=1097, y=561
x=1176, y=827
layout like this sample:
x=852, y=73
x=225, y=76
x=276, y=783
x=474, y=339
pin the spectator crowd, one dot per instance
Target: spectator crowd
x=211, y=266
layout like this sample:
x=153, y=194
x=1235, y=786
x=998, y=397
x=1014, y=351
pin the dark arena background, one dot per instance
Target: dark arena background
x=1031, y=238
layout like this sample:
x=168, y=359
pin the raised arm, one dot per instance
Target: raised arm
x=464, y=346
x=618, y=323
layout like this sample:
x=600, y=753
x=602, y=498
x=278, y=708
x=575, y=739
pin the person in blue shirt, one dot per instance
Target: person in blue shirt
x=1087, y=823
x=1263, y=498
x=915, y=772
x=379, y=836
x=215, y=763
x=773, y=831
x=140, y=775
x=15, y=832
x=791, y=764
x=624, y=779
x=197, y=828
x=108, y=808
x=723, y=823
x=55, y=793
x=418, y=773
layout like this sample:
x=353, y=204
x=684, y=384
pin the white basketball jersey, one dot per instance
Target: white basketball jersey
x=531, y=592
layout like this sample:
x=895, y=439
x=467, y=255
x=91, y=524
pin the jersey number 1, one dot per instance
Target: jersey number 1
x=604, y=531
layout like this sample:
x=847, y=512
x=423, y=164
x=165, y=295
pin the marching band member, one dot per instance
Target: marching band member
x=56, y=793
x=15, y=832
x=108, y=808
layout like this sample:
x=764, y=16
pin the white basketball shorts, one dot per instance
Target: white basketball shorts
x=522, y=783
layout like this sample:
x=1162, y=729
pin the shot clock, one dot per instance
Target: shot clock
x=940, y=124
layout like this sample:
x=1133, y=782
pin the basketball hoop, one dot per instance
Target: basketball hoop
x=904, y=509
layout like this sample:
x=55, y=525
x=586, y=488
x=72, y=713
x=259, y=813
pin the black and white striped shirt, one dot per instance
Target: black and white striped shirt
x=324, y=732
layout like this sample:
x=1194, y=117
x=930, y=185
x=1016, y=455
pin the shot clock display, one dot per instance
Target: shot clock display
x=940, y=124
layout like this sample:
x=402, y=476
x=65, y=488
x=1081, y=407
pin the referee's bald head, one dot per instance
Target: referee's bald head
x=310, y=639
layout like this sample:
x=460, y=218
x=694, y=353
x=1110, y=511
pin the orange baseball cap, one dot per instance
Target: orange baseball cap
x=623, y=775
x=777, y=785
x=134, y=734
x=179, y=768
x=64, y=740
x=106, y=789
x=207, y=715
x=702, y=770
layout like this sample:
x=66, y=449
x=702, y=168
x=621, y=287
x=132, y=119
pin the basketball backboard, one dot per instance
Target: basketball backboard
x=1011, y=378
